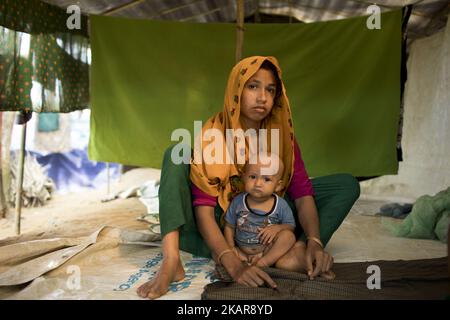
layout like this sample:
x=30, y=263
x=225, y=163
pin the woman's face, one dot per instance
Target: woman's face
x=257, y=98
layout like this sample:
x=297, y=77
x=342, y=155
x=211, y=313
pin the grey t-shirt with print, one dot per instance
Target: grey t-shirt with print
x=248, y=222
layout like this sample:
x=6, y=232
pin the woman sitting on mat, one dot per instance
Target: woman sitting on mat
x=193, y=197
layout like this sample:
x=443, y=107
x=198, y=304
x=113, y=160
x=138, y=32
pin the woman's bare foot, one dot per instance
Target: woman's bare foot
x=261, y=263
x=171, y=270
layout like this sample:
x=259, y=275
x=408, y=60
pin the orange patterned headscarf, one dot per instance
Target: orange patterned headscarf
x=223, y=180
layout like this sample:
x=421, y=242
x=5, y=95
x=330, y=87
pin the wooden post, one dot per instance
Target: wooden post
x=5, y=168
x=240, y=29
x=121, y=7
x=290, y=11
x=107, y=179
x=120, y=171
x=2, y=194
x=20, y=170
x=257, y=16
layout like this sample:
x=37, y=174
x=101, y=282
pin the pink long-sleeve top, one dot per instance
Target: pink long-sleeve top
x=300, y=185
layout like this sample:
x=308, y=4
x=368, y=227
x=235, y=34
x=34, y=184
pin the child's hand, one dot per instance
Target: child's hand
x=267, y=234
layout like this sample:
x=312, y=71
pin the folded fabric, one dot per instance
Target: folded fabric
x=395, y=210
x=428, y=219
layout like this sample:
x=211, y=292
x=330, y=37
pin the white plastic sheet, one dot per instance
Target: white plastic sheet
x=111, y=263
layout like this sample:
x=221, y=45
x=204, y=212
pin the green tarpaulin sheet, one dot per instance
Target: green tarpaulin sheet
x=343, y=81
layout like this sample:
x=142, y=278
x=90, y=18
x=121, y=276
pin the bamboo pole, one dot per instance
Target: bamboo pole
x=257, y=15
x=7, y=126
x=107, y=181
x=290, y=11
x=240, y=29
x=2, y=197
x=122, y=7
x=20, y=178
x=3, y=207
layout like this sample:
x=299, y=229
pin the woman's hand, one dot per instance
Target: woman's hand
x=252, y=276
x=318, y=261
x=247, y=275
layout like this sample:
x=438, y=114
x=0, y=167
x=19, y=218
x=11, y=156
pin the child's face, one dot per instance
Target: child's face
x=257, y=97
x=258, y=185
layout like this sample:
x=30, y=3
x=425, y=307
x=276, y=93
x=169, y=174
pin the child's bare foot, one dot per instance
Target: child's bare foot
x=294, y=259
x=254, y=259
x=261, y=263
x=171, y=270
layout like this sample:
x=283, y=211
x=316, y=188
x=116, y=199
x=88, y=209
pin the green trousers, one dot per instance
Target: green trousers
x=334, y=197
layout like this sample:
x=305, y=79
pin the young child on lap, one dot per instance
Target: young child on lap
x=260, y=224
